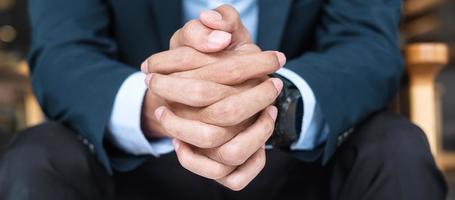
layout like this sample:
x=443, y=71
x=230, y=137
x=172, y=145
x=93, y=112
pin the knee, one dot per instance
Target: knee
x=27, y=151
x=21, y=165
x=43, y=160
x=392, y=138
x=32, y=152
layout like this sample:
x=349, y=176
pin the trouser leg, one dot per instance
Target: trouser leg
x=386, y=158
x=49, y=162
x=163, y=178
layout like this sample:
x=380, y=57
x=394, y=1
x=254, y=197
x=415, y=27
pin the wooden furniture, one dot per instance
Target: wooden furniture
x=33, y=114
x=423, y=63
x=12, y=89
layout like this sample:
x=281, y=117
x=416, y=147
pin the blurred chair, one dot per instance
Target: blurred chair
x=33, y=113
x=423, y=63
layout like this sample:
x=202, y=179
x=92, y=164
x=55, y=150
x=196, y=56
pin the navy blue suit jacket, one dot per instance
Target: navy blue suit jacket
x=83, y=50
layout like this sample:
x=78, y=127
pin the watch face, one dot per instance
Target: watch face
x=286, y=131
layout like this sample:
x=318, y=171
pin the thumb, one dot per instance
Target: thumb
x=226, y=18
x=197, y=35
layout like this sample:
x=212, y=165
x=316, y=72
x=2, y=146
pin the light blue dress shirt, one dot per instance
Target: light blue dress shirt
x=124, y=125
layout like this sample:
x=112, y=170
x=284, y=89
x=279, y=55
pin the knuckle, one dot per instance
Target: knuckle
x=260, y=161
x=174, y=39
x=233, y=155
x=231, y=114
x=184, y=161
x=216, y=92
x=235, y=184
x=227, y=7
x=270, y=92
x=268, y=126
x=234, y=71
x=218, y=172
x=219, y=136
x=208, y=139
x=190, y=24
x=152, y=62
x=188, y=29
x=215, y=115
x=232, y=12
x=200, y=94
x=234, y=23
x=271, y=60
x=225, y=114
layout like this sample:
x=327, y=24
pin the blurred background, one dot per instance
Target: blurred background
x=423, y=21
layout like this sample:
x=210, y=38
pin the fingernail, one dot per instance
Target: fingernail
x=158, y=112
x=148, y=78
x=213, y=15
x=278, y=84
x=273, y=112
x=144, y=67
x=218, y=38
x=281, y=58
x=176, y=144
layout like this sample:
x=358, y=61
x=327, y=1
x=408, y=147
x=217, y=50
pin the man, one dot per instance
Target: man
x=208, y=89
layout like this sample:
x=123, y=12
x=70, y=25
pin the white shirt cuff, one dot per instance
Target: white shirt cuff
x=314, y=129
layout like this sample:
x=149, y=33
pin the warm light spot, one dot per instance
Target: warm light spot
x=7, y=33
x=6, y=4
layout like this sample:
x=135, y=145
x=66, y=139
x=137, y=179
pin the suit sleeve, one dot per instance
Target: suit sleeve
x=75, y=75
x=356, y=66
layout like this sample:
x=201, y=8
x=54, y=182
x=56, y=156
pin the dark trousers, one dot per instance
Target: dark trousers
x=385, y=158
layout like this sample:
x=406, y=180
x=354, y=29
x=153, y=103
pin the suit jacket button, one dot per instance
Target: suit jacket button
x=91, y=147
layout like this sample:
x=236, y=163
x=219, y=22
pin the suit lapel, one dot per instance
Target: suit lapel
x=168, y=17
x=273, y=15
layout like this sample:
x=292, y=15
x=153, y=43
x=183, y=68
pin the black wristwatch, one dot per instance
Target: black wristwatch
x=289, y=120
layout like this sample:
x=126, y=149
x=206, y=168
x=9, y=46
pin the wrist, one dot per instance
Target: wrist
x=149, y=124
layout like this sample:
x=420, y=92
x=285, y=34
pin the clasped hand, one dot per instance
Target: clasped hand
x=212, y=94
